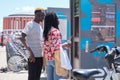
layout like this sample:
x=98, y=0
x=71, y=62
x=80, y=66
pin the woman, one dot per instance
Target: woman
x=52, y=42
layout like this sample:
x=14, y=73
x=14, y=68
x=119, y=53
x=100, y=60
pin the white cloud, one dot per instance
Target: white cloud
x=28, y=9
x=17, y=8
x=24, y=9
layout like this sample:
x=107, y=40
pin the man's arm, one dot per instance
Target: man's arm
x=31, y=57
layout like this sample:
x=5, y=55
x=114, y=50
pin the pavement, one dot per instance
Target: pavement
x=10, y=75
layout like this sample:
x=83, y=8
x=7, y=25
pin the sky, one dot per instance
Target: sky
x=8, y=7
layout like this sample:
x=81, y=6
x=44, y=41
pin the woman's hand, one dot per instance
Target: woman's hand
x=66, y=45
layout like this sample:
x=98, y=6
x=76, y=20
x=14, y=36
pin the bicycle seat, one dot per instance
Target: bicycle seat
x=85, y=73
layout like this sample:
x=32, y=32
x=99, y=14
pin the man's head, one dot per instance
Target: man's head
x=39, y=14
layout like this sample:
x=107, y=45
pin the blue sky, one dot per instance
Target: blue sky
x=19, y=6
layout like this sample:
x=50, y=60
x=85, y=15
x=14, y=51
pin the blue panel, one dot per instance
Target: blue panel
x=117, y=24
x=98, y=54
x=85, y=21
x=64, y=41
x=85, y=24
x=68, y=30
x=59, y=13
x=62, y=16
x=105, y=1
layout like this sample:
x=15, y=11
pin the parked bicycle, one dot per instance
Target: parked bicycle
x=17, y=56
x=112, y=70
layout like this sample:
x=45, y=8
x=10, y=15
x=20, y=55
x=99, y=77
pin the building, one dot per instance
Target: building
x=16, y=22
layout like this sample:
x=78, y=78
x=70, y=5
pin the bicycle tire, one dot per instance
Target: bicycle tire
x=15, y=63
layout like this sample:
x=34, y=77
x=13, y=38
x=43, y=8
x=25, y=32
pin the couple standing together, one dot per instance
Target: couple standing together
x=41, y=43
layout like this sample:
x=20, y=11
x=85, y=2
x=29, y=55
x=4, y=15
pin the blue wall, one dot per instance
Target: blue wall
x=85, y=21
x=95, y=59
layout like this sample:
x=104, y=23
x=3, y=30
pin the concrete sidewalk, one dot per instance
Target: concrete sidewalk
x=9, y=75
x=3, y=60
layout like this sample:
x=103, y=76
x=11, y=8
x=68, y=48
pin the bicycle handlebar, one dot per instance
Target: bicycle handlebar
x=100, y=49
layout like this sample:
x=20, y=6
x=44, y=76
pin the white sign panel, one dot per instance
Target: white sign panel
x=63, y=28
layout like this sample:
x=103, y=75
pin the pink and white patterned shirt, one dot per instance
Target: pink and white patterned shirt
x=52, y=44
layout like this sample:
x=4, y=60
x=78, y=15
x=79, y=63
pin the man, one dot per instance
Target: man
x=32, y=37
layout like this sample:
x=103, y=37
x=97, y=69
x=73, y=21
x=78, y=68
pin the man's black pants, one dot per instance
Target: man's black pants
x=34, y=69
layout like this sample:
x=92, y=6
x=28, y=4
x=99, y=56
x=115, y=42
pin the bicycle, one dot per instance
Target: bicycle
x=112, y=70
x=17, y=59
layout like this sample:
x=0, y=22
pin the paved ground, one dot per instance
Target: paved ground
x=22, y=75
x=9, y=75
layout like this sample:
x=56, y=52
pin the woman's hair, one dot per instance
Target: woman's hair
x=51, y=20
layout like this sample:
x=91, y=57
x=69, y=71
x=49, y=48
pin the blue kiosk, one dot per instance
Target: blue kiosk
x=93, y=23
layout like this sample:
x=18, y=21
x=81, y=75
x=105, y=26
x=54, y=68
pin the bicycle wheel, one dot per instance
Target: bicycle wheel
x=16, y=63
